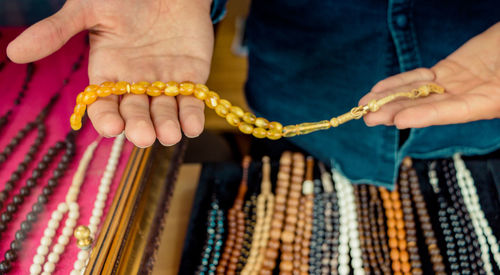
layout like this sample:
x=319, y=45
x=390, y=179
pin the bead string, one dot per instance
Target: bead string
x=215, y=229
x=278, y=214
x=318, y=230
x=377, y=228
x=236, y=223
x=361, y=201
x=246, y=122
x=469, y=235
x=349, y=235
x=70, y=207
x=292, y=208
x=250, y=217
x=264, y=211
x=479, y=221
x=37, y=208
x=86, y=234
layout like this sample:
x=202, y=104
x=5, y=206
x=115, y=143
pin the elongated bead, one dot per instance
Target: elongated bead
x=75, y=119
x=275, y=126
x=172, y=88
x=259, y=132
x=108, y=84
x=232, y=119
x=79, y=98
x=121, y=88
x=89, y=97
x=237, y=111
x=91, y=88
x=249, y=118
x=245, y=128
x=76, y=126
x=153, y=91
x=186, y=88
x=226, y=103
x=144, y=84
x=273, y=134
x=201, y=91
x=212, y=100
x=137, y=88
x=158, y=84
x=79, y=109
x=221, y=110
x=261, y=122
x=103, y=91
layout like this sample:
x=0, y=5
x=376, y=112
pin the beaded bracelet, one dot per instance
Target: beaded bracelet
x=246, y=122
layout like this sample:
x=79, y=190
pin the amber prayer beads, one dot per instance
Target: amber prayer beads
x=246, y=122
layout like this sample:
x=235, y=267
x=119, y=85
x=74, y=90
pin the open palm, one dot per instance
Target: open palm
x=470, y=76
x=134, y=40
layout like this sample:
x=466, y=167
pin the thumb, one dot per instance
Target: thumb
x=48, y=35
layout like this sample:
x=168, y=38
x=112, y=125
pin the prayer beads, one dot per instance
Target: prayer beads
x=246, y=122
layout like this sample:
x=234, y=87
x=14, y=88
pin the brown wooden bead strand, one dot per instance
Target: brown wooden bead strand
x=236, y=224
x=363, y=229
x=282, y=186
x=378, y=231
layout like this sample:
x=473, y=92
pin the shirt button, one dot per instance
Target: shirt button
x=402, y=21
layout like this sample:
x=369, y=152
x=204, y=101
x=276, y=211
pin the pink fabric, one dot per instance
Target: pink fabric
x=47, y=79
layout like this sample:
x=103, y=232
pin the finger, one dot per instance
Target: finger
x=191, y=115
x=420, y=74
x=138, y=125
x=451, y=110
x=165, y=119
x=105, y=116
x=48, y=35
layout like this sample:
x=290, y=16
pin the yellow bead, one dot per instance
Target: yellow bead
x=103, y=91
x=77, y=126
x=107, y=84
x=84, y=243
x=79, y=109
x=91, y=88
x=245, y=128
x=273, y=134
x=158, y=84
x=89, y=97
x=200, y=94
x=232, y=119
x=261, y=122
x=144, y=84
x=221, y=110
x=121, y=88
x=153, y=91
x=259, y=132
x=201, y=87
x=137, y=89
x=212, y=100
x=186, y=88
x=172, y=88
x=75, y=119
x=237, y=111
x=79, y=98
x=226, y=103
x=249, y=118
x=275, y=126
x=82, y=232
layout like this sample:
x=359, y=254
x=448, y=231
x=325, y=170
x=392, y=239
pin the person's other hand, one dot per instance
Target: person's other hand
x=134, y=40
x=470, y=76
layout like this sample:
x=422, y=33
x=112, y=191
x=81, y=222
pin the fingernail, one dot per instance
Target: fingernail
x=166, y=145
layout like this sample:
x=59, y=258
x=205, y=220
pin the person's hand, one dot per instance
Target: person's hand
x=134, y=40
x=470, y=76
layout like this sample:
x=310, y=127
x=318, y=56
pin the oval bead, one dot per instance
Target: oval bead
x=245, y=128
x=79, y=109
x=212, y=100
x=186, y=88
x=121, y=87
x=259, y=132
x=200, y=94
x=273, y=134
x=89, y=97
x=153, y=91
x=144, y=84
x=237, y=111
x=226, y=103
x=202, y=87
x=276, y=126
x=91, y=88
x=249, y=118
x=158, y=84
x=172, y=89
x=137, y=89
x=75, y=119
x=103, y=91
x=232, y=119
x=221, y=110
x=77, y=126
x=261, y=122
x=107, y=84
x=79, y=98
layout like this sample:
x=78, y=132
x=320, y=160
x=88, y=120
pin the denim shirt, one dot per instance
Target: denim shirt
x=310, y=60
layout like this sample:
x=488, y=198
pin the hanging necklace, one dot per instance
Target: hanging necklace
x=4, y=119
x=250, y=217
x=318, y=230
x=236, y=223
x=349, y=235
x=377, y=228
x=15, y=246
x=367, y=240
x=468, y=245
x=483, y=230
x=235, y=116
x=70, y=207
x=86, y=234
x=264, y=211
x=282, y=186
